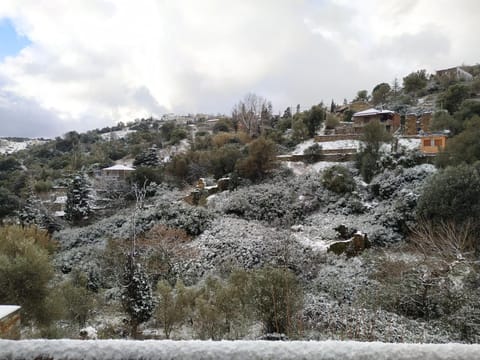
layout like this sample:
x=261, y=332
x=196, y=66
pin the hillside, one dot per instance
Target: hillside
x=313, y=224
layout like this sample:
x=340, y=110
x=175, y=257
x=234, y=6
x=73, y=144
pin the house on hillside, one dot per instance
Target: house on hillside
x=10, y=322
x=117, y=172
x=455, y=73
x=390, y=119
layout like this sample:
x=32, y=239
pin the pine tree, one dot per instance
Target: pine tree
x=30, y=213
x=137, y=296
x=78, y=202
x=147, y=158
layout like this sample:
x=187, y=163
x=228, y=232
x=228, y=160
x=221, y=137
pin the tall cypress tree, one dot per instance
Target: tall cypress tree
x=78, y=206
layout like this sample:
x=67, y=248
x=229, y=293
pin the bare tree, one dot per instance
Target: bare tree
x=446, y=240
x=249, y=111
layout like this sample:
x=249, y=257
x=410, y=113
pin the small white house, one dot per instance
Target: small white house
x=117, y=171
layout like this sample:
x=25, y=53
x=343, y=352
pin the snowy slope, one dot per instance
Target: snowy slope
x=10, y=147
x=151, y=349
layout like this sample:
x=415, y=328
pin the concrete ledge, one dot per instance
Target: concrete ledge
x=167, y=349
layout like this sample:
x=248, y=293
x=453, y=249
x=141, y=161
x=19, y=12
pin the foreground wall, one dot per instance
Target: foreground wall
x=146, y=350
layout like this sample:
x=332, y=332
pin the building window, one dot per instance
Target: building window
x=438, y=142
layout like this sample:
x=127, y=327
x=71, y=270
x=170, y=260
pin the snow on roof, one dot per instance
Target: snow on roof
x=371, y=112
x=261, y=349
x=6, y=310
x=119, y=167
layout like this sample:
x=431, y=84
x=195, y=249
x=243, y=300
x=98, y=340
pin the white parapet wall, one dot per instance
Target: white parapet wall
x=251, y=350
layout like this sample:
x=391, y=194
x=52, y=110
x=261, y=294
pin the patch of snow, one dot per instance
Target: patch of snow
x=330, y=145
x=10, y=147
x=194, y=349
x=300, y=168
x=119, y=134
x=409, y=143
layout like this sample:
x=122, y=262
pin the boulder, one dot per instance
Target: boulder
x=351, y=247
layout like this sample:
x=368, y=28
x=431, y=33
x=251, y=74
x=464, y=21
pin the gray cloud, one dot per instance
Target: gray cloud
x=93, y=63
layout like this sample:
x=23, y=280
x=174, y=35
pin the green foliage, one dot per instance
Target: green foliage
x=146, y=175
x=362, y=95
x=453, y=97
x=442, y=120
x=177, y=135
x=9, y=164
x=277, y=300
x=314, y=118
x=465, y=147
x=42, y=186
x=468, y=109
x=148, y=157
x=300, y=130
x=380, y=93
x=77, y=208
x=338, y=179
x=137, y=298
x=222, y=125
x=452, y=194
x=261, y=159
x=9, y=203
x=223, y=160
x=374, y=135
x=79, y=302
x=174, y=305
x=332, y=121
x=25, y=271
x=415, y=81
x=312, y=153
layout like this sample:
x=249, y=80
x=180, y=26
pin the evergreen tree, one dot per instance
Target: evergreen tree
x=287, y=114
x=30, y=213
x=78, y=202
x=147, y=158
x=137, y=299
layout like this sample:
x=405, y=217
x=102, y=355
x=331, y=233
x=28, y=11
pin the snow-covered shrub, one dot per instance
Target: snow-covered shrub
x=326, y=320
x=278, y=202
x=452, y=194
x=338, y=179
x=194, y=220
x=312, y=153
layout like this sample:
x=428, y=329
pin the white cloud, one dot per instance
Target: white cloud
x=117, y=60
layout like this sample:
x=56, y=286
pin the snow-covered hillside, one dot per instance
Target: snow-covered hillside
x=10, y=147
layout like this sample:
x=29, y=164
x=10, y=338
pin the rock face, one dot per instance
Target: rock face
x=351, y=247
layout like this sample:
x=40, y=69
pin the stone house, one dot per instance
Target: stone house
x=390, y=119
x=455, y=73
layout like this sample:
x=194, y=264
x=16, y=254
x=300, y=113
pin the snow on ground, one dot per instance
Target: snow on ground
x=330, y=145
x=10, y=147
x=300, y=168
x=119, y=134
x=168, y=349
x=409, y=143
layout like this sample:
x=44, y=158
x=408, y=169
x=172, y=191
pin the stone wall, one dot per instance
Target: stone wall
x=327, y=138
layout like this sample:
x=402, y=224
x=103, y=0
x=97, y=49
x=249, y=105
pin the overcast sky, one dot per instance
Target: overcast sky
x=83, y=64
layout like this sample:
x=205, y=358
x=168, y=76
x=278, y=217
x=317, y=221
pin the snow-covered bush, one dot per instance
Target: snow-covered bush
x=312, y=153
x=338, y=179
